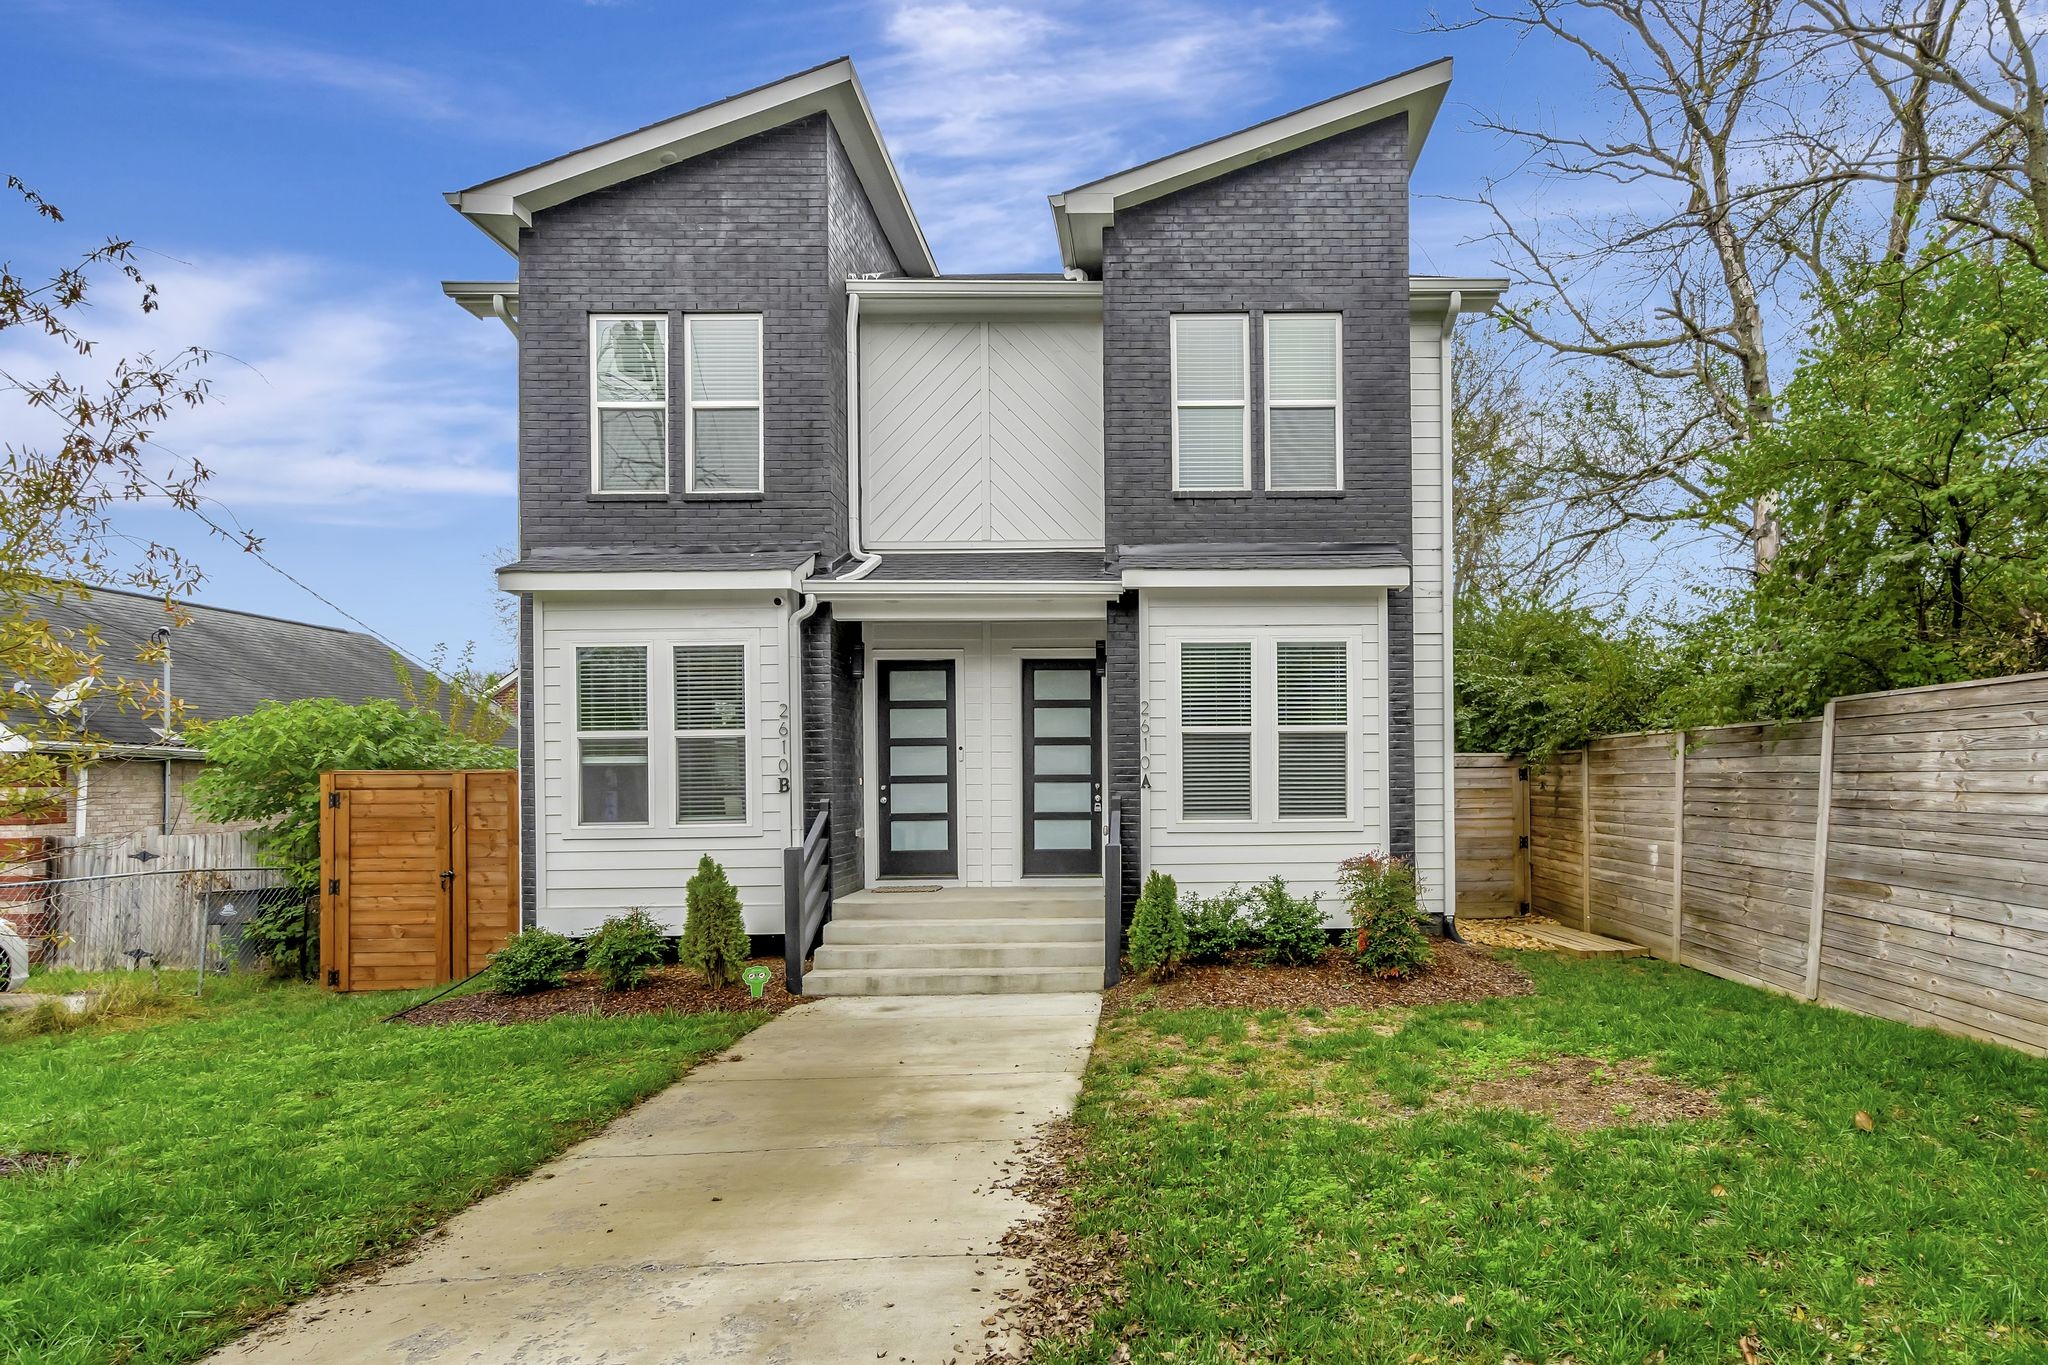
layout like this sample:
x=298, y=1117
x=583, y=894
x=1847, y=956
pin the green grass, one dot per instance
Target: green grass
x=234, y=1160
x=1310, y=1187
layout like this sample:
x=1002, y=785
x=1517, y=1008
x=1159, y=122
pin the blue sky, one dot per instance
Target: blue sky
x=284, y=167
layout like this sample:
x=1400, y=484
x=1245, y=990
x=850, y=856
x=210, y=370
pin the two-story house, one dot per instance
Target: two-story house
x=962, y=578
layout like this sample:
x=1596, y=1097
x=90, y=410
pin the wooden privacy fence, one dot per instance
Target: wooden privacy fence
x=1890, y=857
x=419, y=875
x=1493, y=836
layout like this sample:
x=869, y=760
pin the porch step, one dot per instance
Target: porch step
x=923, y=956
x=842, y=929
x=944, y=981
x=966, y=905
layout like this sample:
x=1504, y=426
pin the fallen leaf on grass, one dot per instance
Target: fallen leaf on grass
x=1752, y=1350
x=1865, y=1122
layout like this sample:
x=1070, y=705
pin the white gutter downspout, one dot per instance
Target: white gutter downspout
x=1451, y=311
x=504, y=314
x=793, y=742
x=868, y=563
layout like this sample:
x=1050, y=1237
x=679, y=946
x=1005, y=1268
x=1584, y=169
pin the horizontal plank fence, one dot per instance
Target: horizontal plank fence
x=1493, y=836
x=1890, y=857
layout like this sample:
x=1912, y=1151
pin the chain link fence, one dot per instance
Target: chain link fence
x=175, y=919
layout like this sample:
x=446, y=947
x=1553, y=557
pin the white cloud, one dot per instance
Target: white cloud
x=989, y=107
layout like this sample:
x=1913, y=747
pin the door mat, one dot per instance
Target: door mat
x=897, y=890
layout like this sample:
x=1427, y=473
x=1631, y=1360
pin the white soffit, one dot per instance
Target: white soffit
x=502, y=206
x=1081, y=214
x=1264, y=580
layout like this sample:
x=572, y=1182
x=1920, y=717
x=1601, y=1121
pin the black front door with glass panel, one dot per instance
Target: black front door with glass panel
x=919, y=810
x=1062, y=768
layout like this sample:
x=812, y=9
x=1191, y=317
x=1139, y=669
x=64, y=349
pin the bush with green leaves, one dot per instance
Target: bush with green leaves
x=1159, y=934
x=624, y=949
x=1218, y=925
x=534, y=960
x=1384, y=896
x=1288, y=928
x=715, y=931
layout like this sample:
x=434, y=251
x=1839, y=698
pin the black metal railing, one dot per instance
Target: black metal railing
x=806, y=898
x=1113, y=897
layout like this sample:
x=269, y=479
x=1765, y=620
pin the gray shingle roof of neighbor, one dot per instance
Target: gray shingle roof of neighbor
x=649, y=559
x=223, y=662
x=992, y=566
x=1330, y=555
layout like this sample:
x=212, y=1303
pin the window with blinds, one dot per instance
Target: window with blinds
x=1313, y=726
x=611, y=734
x=724, y=442
x=1303, y=384
x=1216, y=730
x=711, y=734
x=1211, y=413
x=629, y=404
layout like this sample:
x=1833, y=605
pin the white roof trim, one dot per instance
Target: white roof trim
x=1081, y=214
x=1475, y=294
x=1167, y=579
x=501, y=207
x=654, y=580
x=842, y=589
x=979, y=298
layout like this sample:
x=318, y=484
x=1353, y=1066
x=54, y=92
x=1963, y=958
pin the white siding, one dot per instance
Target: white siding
x=1432, y=739
x=989, y=663
x=586, y=874
x=1209, y=855
x=981, y=433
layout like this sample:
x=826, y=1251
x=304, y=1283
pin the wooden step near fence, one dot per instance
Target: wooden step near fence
x=419, y=875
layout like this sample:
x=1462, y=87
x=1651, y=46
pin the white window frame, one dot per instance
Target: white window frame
x=692, y=406
x=599, y=407
x=750, y=795
x=1250, y=730
x=1335, y=403
x=577, y=734
x=1244, y=404
x=1349, y=729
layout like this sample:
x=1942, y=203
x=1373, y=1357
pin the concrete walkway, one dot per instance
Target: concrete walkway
x=820, y=1194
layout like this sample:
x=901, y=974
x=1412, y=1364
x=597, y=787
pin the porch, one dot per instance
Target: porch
x=915, y=939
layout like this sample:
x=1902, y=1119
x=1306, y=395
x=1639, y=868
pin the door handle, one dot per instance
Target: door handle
x=447, y=879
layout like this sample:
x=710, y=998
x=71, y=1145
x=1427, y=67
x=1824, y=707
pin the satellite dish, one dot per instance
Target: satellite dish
x=67, y=698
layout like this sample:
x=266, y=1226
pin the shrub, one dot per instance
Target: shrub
x=1288, y=928
x=536, y=960
x=1218, y=925
x=1159, y=935
x=715, y=932
x=1383, y=893
x=623, y=948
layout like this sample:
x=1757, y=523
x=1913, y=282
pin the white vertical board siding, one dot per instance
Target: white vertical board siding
x=989, y=695
x=981, y=433
x=1209, y=855
x=1432, y=735
x=586, y=874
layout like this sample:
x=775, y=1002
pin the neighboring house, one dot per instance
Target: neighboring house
x=967, y=562
x=131, y=777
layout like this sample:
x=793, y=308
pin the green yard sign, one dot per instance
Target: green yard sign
x=757, y=978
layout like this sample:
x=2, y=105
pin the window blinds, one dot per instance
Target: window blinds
x=1216, y=739
x=1209, y=402
x=1302, y=388
x=725, y=403
x=711, y=740
x=1313, y=714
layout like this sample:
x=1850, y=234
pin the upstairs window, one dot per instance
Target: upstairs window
x=711, y=734
x=724, y=440
x=629, y=393
x=1314, y=727
x=611, y=734
x=1216, y=730
x=1211, y=413
x=1302, y=405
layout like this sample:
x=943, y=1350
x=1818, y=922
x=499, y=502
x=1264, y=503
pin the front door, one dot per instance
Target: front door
x=1062, y=768
x=920, y=772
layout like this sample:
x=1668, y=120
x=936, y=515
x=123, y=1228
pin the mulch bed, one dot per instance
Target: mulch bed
x=1457, y=974
x=28, y=1163
x=668, y=990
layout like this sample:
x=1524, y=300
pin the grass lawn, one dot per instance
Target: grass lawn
x=231, y=1160
x=1352, y=1186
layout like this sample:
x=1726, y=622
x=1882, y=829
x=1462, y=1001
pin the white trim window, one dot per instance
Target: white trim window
x=611, y=735
x=1304, y=405
x=629, y=403
x=724, y=441
x=1211, y=362
x=1216, y=730
x=711, y=734
x=1313, y=726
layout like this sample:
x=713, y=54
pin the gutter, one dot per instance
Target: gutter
x=1451, y=309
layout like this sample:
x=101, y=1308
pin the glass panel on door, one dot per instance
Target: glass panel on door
x=917, y=803
x=1063, y=768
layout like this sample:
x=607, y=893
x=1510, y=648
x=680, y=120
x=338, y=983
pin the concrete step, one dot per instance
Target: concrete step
x=956, y=905
x=943, y=930
x=957, y=956
x=943, y=981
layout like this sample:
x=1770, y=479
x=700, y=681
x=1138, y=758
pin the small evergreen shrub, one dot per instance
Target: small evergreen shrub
x=715, y=932
x=1288, y=928
x=1384, y=897
x=534, y=960
x=1159, y=935
x=1218, y=925
x=623, y=950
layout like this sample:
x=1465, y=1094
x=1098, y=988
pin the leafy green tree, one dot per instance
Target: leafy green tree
x=715, y=938
x=1534, y=677
x=1159, y=931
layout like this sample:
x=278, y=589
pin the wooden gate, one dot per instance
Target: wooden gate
x=419, y=875
x=1493, y=836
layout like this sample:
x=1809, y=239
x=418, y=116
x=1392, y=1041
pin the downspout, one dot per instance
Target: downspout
x=1450, y=587
x=867, y=563
x=807, y=607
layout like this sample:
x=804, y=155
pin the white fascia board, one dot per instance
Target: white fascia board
x=501, y=207
x=485, y=299
x=735, y=580
x=1262, y=579
x=1429, y=295
x=980, y=298
x=1020, y=607
x=1082, y=213
x=831, y=589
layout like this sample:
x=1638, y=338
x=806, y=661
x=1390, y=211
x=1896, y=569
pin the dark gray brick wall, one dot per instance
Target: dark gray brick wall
x=1121, y=679
x=831, y=739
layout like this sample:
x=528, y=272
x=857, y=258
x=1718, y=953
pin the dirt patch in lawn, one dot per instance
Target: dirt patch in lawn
x=1068, y=1277
x=1458, y=973
x=1580, y=1094
x=28, y=1163
x=668, y=990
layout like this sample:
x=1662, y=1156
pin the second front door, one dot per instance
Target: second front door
x=918, y=802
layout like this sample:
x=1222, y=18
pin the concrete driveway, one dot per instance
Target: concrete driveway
x=822, y=1193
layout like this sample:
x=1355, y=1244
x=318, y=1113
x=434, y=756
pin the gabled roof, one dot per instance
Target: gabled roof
x=1082, y=213
x=502, y=206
